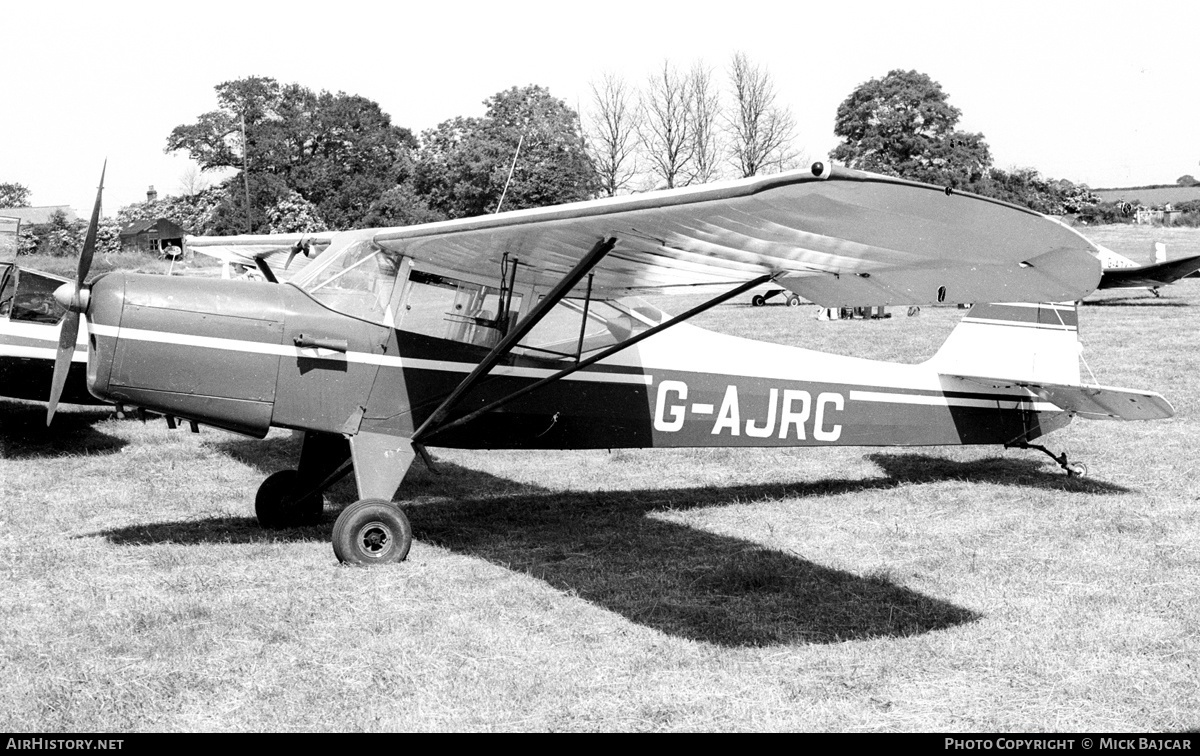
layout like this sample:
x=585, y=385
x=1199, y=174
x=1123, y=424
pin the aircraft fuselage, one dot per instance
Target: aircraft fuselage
x=247, y=356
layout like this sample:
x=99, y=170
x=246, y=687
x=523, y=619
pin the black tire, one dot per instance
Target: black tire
x=276, y=504
x=758, y=300
x=793, y=301
x=371, y=531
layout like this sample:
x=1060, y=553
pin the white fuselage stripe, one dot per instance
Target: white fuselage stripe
x=39, y=332
x=1008, y=402
x=283, y=350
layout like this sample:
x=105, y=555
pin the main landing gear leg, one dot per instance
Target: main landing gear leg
x=1077, y=470
x=373, y=530
x=292, y=498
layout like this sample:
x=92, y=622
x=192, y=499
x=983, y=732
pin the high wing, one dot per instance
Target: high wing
x=835, y=236
x=1156, y=274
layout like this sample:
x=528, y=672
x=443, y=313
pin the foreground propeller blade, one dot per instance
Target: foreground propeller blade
x=75, y=305
x=62, y=361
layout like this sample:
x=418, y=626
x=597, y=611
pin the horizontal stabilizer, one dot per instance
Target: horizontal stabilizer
x=1092, y=402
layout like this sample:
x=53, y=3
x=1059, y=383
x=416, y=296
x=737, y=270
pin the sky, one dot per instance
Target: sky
x=1102, y=93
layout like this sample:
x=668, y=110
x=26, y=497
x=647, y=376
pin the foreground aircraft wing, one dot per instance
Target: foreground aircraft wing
x=1157, y=274
x=834, y=236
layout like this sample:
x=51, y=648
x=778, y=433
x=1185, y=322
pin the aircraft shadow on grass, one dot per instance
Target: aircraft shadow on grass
x=24, y=435
x=604, y=548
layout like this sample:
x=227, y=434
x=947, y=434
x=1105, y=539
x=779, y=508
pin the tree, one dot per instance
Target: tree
x=612, y=134
x=666, y=130
x=762, y=132
x=293, y=214
x=902, y=125
x=1027, y=187
x=14, y=195
x=340, y=152
x=463, y=167
x=705, y=107
x=1187, y=180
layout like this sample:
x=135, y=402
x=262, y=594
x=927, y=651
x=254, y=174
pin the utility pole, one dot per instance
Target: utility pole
x=246, y=174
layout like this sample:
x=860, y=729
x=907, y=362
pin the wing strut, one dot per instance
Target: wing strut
x=526, y=324
x=604, y=354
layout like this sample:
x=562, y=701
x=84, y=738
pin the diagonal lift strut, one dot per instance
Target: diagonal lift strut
x=602, y=355
x=524, y=326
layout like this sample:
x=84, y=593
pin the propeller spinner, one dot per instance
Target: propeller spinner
x=75, y=298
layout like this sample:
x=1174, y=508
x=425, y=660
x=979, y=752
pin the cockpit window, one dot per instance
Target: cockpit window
x=458, y=310
x=8, y=285
x=576, y=327
x=34, y=300
x=360, y=282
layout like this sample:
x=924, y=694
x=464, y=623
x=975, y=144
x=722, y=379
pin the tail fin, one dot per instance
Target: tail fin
x=1036, y=347
x=1020, y=342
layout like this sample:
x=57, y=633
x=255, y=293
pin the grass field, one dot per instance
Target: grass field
x=938, y=589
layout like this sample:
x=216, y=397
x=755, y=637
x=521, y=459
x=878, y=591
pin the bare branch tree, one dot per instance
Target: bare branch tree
x=192, y=181
x=762, y=132
x=612, y=134
x=666, y=126
x=705, y=109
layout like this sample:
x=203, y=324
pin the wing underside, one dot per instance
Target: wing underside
x=849, y=238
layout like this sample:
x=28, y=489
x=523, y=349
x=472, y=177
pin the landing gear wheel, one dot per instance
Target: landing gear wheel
x=1077, y=470
x=277, y=506
x=793, y=301
x=758, y=300
x=371, y=531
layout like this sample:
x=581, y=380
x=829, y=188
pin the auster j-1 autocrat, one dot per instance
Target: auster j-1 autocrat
x=524, y=330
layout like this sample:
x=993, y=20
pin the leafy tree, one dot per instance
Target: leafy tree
x=464, y=164
x=1187, y=180
x=1027, y=187
x=401, y=206
x=14, y=195
x=902, y=125
x=292, y=214
x=340, y=152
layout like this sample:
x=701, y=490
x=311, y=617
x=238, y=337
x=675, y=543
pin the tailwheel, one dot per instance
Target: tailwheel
x=277, y=505
x=1073, y=469
x=371, y=531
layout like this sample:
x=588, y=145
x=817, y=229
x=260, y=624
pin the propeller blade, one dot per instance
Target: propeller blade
x=62, y=361
x=89, y=241
x=70, y=322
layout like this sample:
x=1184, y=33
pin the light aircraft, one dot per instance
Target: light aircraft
x=1119, y=272
x=523, y=330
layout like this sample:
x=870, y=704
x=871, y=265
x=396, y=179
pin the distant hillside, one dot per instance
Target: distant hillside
x=1150, y=195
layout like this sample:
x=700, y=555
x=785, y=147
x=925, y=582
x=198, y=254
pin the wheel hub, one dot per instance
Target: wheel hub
x=374, y=538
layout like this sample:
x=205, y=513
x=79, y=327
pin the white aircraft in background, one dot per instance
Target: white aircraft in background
x=1119, y=272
